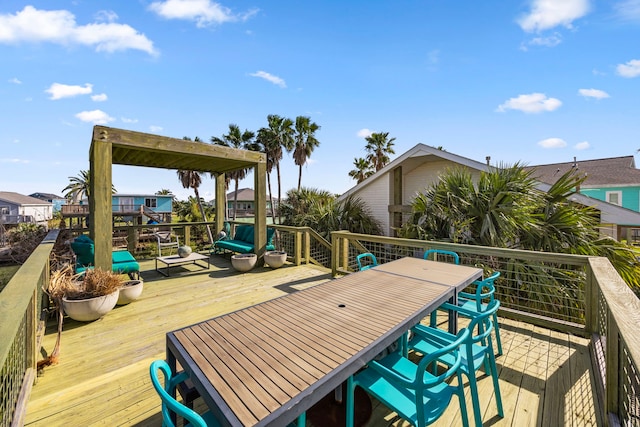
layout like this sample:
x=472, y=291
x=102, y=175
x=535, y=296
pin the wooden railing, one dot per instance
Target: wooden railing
x=598, y=304
x=20, y=329
x=595, y=302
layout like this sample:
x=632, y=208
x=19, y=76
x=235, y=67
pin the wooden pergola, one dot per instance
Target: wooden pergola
x=111, y=146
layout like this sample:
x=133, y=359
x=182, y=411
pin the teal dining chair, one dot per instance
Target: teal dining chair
x=436, y=252
x=411, y=390
x=478, y=301
x=447, y=255
x=476, y=351
x=371, y=263
x=169, y=404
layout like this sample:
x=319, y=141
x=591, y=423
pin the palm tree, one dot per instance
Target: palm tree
x=164, y=192
x=79, y=187
x=379, y=147
x=193, y=179
x=504, y=208
x=236, y=139
x=273, y=139
x=304, y=142
x=362, y=171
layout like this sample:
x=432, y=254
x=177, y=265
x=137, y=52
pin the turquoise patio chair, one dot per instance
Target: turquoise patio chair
x=409, y=389
x=169, y=404
x=436, y=252
x=476, y=351
x=478, y=302
x=447, y=255
x=371, y=263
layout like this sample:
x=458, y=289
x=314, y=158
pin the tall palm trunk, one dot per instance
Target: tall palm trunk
x=235, y=201
x=279, y=192
x=204, y=217
x=300, y=178
x=273, y=212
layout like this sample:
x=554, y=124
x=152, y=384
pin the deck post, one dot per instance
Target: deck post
x=591, y=303
x=221, y=211
x=100, y=209
x=298, y=246
x=613, y=354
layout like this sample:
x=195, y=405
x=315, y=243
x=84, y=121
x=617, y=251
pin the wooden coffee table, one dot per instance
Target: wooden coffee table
x=173, y=260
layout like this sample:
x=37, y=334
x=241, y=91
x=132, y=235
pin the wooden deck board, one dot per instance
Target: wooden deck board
x=102, y=377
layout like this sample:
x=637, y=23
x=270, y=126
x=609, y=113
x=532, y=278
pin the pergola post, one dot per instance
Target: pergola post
x=100, y=223
x=221, y=208
x=260, y=202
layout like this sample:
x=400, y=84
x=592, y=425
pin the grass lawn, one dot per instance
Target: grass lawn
x=6, y=273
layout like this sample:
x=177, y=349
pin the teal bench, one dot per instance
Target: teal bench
x=122, y=262
x=242, y=242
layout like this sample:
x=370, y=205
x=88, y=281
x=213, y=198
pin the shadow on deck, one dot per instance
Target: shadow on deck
x=102, y=377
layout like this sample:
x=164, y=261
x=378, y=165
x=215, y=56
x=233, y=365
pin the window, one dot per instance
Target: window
x=151, y=202
x=614, y=197
x=4, y=210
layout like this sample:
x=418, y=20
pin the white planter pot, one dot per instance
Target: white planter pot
x=130, y=291
x=86, y=310
x=243, y=262
x=275, y=259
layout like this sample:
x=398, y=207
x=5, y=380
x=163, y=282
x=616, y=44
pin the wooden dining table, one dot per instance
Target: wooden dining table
x=267, y=364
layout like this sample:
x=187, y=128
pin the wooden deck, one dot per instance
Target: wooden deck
x=102, y=377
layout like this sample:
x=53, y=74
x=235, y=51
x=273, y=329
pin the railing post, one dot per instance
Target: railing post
x=307, y=246
x=344, y=252
x=612, y=365
x=298, y=246
x=132, y=239
x=187, y=235
x=334, y=254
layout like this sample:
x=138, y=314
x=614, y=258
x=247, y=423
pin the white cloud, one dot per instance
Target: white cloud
x=584, y=145
x=552, y=143
x=203, y=12
x=155, y=129
x=546, y=14
x=593, y=93
x=126, y=120
x=630, y=69
x=59, y=90
x=97, y=117
x=100, y=97
x=270, y=78
x=531, y=103
x=628, y=10
x=15, y=81
x=549, y=41
x=60, y=27
x=5, y=160
x=363, y=133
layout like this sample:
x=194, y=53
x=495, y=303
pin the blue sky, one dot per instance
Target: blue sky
x=536, y=81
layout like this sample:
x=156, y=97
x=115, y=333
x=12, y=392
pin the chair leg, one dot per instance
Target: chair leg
x=462, y=401
x=350, y=401
x=475, y=399
x=496, y=384
x=434, y=319
x=497, y=329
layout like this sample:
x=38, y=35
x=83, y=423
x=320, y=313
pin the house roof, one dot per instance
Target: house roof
x=613, y=171
x=414, y=157
x=244, y=194
x=21, y=199
x=46, y=196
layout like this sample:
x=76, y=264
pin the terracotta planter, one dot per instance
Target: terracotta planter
x=87, y=310
x=275, y=259
x=130, y=291
x=243, y=262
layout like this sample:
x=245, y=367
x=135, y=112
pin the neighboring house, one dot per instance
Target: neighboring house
x=144, y=207
x=390, y=191
x=613, y=180
x=246, y=204
x=17, y=208
x=57, y=201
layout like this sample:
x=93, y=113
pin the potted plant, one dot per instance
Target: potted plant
x=87, y=296
x=275, y=259
x=130, y=291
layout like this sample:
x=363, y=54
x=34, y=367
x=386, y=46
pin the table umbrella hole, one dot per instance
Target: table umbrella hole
x=342, y=305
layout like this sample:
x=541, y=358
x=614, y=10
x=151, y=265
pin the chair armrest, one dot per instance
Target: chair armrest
x=391, y=374
x=461, y=310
